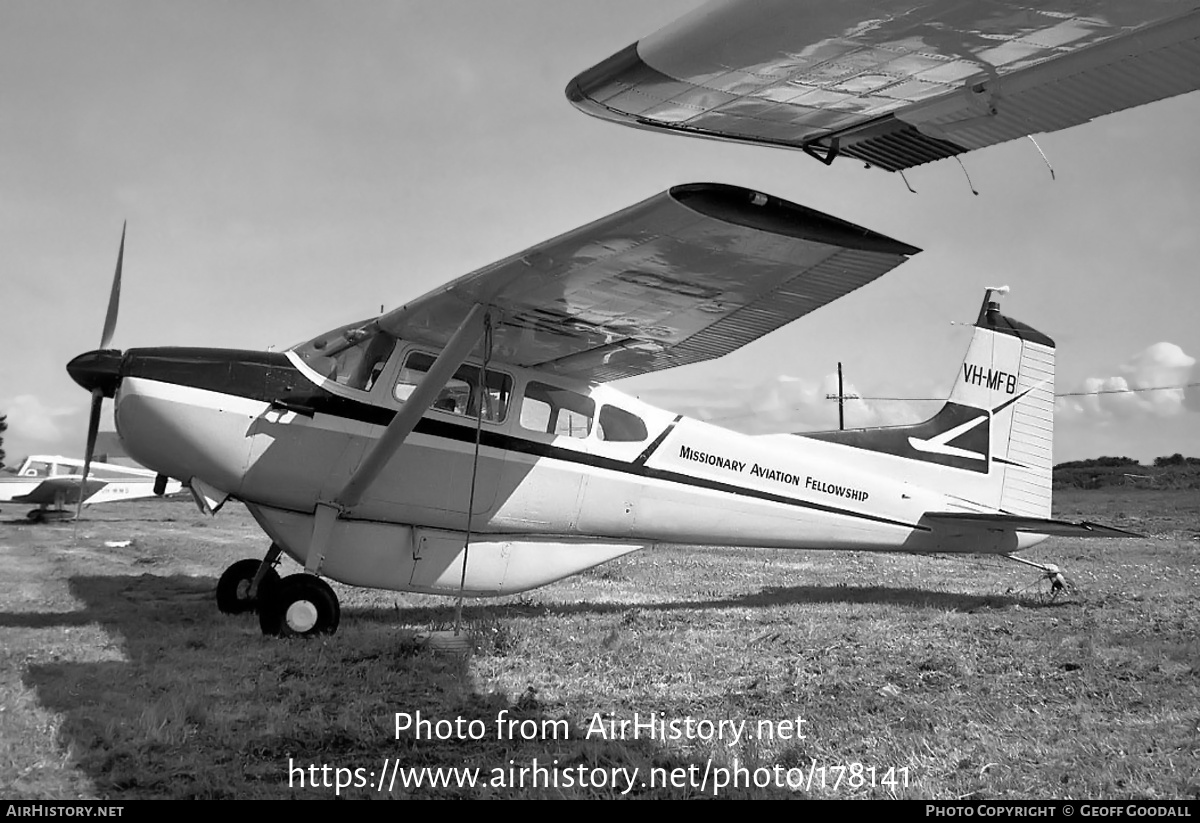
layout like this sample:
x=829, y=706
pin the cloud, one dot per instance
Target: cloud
x=1164, y=367
x=31, y=420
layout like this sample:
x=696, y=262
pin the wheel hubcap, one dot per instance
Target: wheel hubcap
x=301, y=616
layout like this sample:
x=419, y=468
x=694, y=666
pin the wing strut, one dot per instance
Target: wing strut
x=443, y=368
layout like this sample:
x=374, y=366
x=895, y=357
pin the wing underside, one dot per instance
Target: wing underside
x=896, y=83
x=688, y=275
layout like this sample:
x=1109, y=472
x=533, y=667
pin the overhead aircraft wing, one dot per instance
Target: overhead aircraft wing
x=1020, y=523
x=896, y=83
x=688, y=275
x=65, y=489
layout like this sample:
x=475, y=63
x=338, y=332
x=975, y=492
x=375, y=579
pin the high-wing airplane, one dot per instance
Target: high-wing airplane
x=468, y=441
x=52, y=483
x=895, y=83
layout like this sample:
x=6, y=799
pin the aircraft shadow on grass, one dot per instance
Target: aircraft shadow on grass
x=771, y=596
x=175, y=716
x=148, y=590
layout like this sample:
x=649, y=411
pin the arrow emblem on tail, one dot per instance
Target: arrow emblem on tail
x=939, y=444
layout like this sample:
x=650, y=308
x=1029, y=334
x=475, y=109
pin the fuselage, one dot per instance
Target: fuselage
x=555, y=458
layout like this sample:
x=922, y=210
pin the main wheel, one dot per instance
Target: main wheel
x=302, y=605
x=233, y=589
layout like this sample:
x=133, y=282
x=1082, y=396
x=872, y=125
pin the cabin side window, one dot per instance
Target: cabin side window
x=619, y=426
x=462, y=393
x=556, y=411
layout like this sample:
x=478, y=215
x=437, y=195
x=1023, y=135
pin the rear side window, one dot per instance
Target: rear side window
x=619, y=426
x=556, y=411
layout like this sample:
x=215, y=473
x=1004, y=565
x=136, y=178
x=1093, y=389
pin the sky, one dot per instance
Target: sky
x=288, y=167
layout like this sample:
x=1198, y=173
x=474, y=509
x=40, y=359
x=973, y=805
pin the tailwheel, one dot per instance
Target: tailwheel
x=302, y=605
x=235, y=590
x=1057, y=582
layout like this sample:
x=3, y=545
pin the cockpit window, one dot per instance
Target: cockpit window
x=462, y=393
x=353, y=355
x=36, y=468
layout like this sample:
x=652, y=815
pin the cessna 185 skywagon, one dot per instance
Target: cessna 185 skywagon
x=467, y=441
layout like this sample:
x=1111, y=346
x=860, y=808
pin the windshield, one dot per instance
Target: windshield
x=353, y=355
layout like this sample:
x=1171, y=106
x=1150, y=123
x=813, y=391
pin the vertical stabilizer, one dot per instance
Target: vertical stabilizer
x=991, y=444
x=1009, y=373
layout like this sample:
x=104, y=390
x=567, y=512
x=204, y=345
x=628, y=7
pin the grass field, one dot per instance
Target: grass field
x=119, y=679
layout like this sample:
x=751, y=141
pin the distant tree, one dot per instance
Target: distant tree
x=1176, y=459
x=1098, y=462
x=3, y=428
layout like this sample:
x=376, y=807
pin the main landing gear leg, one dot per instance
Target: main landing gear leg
x=1050, y=572
x=247, y=583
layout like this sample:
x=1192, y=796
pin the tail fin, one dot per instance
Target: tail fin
x=1009, y=372
x=992, y=441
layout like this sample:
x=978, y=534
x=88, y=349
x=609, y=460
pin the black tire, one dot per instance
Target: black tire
x=232, y=588
x=302, y=605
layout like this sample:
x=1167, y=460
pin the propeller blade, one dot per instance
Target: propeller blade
x=93, y=427
x=114, y=298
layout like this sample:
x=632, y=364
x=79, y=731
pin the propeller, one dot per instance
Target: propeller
x=114, y=297
x=91, y=370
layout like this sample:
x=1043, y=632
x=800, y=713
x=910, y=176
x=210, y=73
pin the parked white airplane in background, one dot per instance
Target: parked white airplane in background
x=466, y=441
x=895, y=83
x=52, y=483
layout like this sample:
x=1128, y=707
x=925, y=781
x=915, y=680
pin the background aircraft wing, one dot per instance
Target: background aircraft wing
x=688, y=275
x=896, y=83
x=65, y=489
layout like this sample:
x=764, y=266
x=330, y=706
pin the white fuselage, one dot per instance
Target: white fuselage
x=547, y=504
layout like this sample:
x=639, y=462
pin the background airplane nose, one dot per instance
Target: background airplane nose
x=99, y=369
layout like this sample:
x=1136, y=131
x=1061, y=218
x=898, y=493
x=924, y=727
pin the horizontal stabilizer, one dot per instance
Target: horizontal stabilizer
x=1037, y=525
